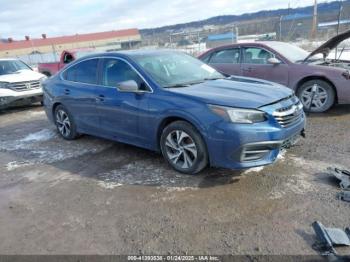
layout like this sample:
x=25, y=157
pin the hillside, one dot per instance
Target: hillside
x=228, y=19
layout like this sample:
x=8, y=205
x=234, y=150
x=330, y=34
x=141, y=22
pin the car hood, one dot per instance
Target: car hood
x=21, y=76
x=239, y=92
x=328, y=46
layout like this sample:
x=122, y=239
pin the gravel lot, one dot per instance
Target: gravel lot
x=93, y=196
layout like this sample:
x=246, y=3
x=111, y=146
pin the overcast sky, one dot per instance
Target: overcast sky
x=62, y=17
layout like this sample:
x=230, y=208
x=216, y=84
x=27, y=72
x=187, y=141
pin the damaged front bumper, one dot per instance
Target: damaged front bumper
x=9, y=98
x=260, y=150
x=247, y=146
x=6, y=102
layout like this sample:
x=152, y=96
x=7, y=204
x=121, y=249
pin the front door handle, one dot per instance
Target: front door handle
x=100, y=98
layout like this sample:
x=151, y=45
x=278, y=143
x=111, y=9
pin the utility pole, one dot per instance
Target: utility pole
x=199, y=42
x=314, y=22
x=233, y=35
x=237, y=33
x=280, y=38
x=288, y=7
x=339, y=16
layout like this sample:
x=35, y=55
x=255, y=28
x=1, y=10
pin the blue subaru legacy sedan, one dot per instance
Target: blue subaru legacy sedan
x=173, y=103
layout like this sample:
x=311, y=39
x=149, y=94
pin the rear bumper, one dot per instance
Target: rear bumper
x=245, y=146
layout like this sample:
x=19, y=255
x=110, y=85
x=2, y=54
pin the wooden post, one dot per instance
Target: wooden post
x=314, y=22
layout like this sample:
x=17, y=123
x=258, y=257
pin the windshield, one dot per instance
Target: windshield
x=12, y=66
x=292, y=52
x=176, y=69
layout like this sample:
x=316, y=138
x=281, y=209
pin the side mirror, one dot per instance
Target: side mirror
x=128, y=86
x=274, y=61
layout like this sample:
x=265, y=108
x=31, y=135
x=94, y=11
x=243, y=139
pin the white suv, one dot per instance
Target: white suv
x=19, y=84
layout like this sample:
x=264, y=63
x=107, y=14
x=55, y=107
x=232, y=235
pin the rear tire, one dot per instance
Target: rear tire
x=65, y=123
x=183, y=148
x=324, y=97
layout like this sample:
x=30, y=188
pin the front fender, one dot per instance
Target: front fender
x=191, y=118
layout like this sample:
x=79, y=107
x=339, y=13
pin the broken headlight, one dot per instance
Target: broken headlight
x=346, y=74
x=239, y=115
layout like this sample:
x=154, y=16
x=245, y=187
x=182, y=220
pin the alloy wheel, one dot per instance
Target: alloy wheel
x=63, y=123
x=181, y=149
x=319, y=100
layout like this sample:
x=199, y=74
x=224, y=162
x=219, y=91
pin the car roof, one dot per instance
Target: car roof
x=128, y=53
x=136, y=52
x=8, y=59
x=141, y=52
x=256, y=43
x=268, y=44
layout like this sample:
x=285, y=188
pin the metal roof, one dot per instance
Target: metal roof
x=332, y=23
x=296, y=16
x=218, y=37
x=67, y=39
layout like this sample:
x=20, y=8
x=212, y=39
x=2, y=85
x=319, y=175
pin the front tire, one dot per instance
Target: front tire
x=323, y=99
x=183, y=148
x=65, y=123
x=48, y=74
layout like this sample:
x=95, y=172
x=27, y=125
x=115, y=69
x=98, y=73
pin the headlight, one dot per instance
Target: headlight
x=41, y=80
x=239, y=115
x=3, y=84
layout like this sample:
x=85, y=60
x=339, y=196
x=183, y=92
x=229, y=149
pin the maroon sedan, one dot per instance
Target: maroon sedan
x=319, y=82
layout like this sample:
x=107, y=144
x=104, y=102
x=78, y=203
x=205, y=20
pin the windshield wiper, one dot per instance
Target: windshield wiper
x=214, y=78
x=177, y=85
x=194, y=82
x=185, y=84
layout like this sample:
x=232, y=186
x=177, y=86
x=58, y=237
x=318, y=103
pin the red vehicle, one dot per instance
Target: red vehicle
x=67, y=56
x=318, y=81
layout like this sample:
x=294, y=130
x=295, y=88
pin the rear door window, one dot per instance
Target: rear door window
x=83, y=72
x=227, y=56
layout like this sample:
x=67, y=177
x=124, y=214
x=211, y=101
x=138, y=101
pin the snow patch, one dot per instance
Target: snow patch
x=36, y=113
x=150, y=173
x=277, y=194
x=281, y=156
x=41, y=148
x=108, y=185
x=254, y=169
x=180, y=189
x=16, y=164
x=43, y=135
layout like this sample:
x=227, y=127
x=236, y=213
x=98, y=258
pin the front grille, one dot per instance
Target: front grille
x=24, y=86
x=288, y=116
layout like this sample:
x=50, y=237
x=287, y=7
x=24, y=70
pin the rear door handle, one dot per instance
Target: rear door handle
x=248, y=69
x=100, y=98
x=66, y=91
